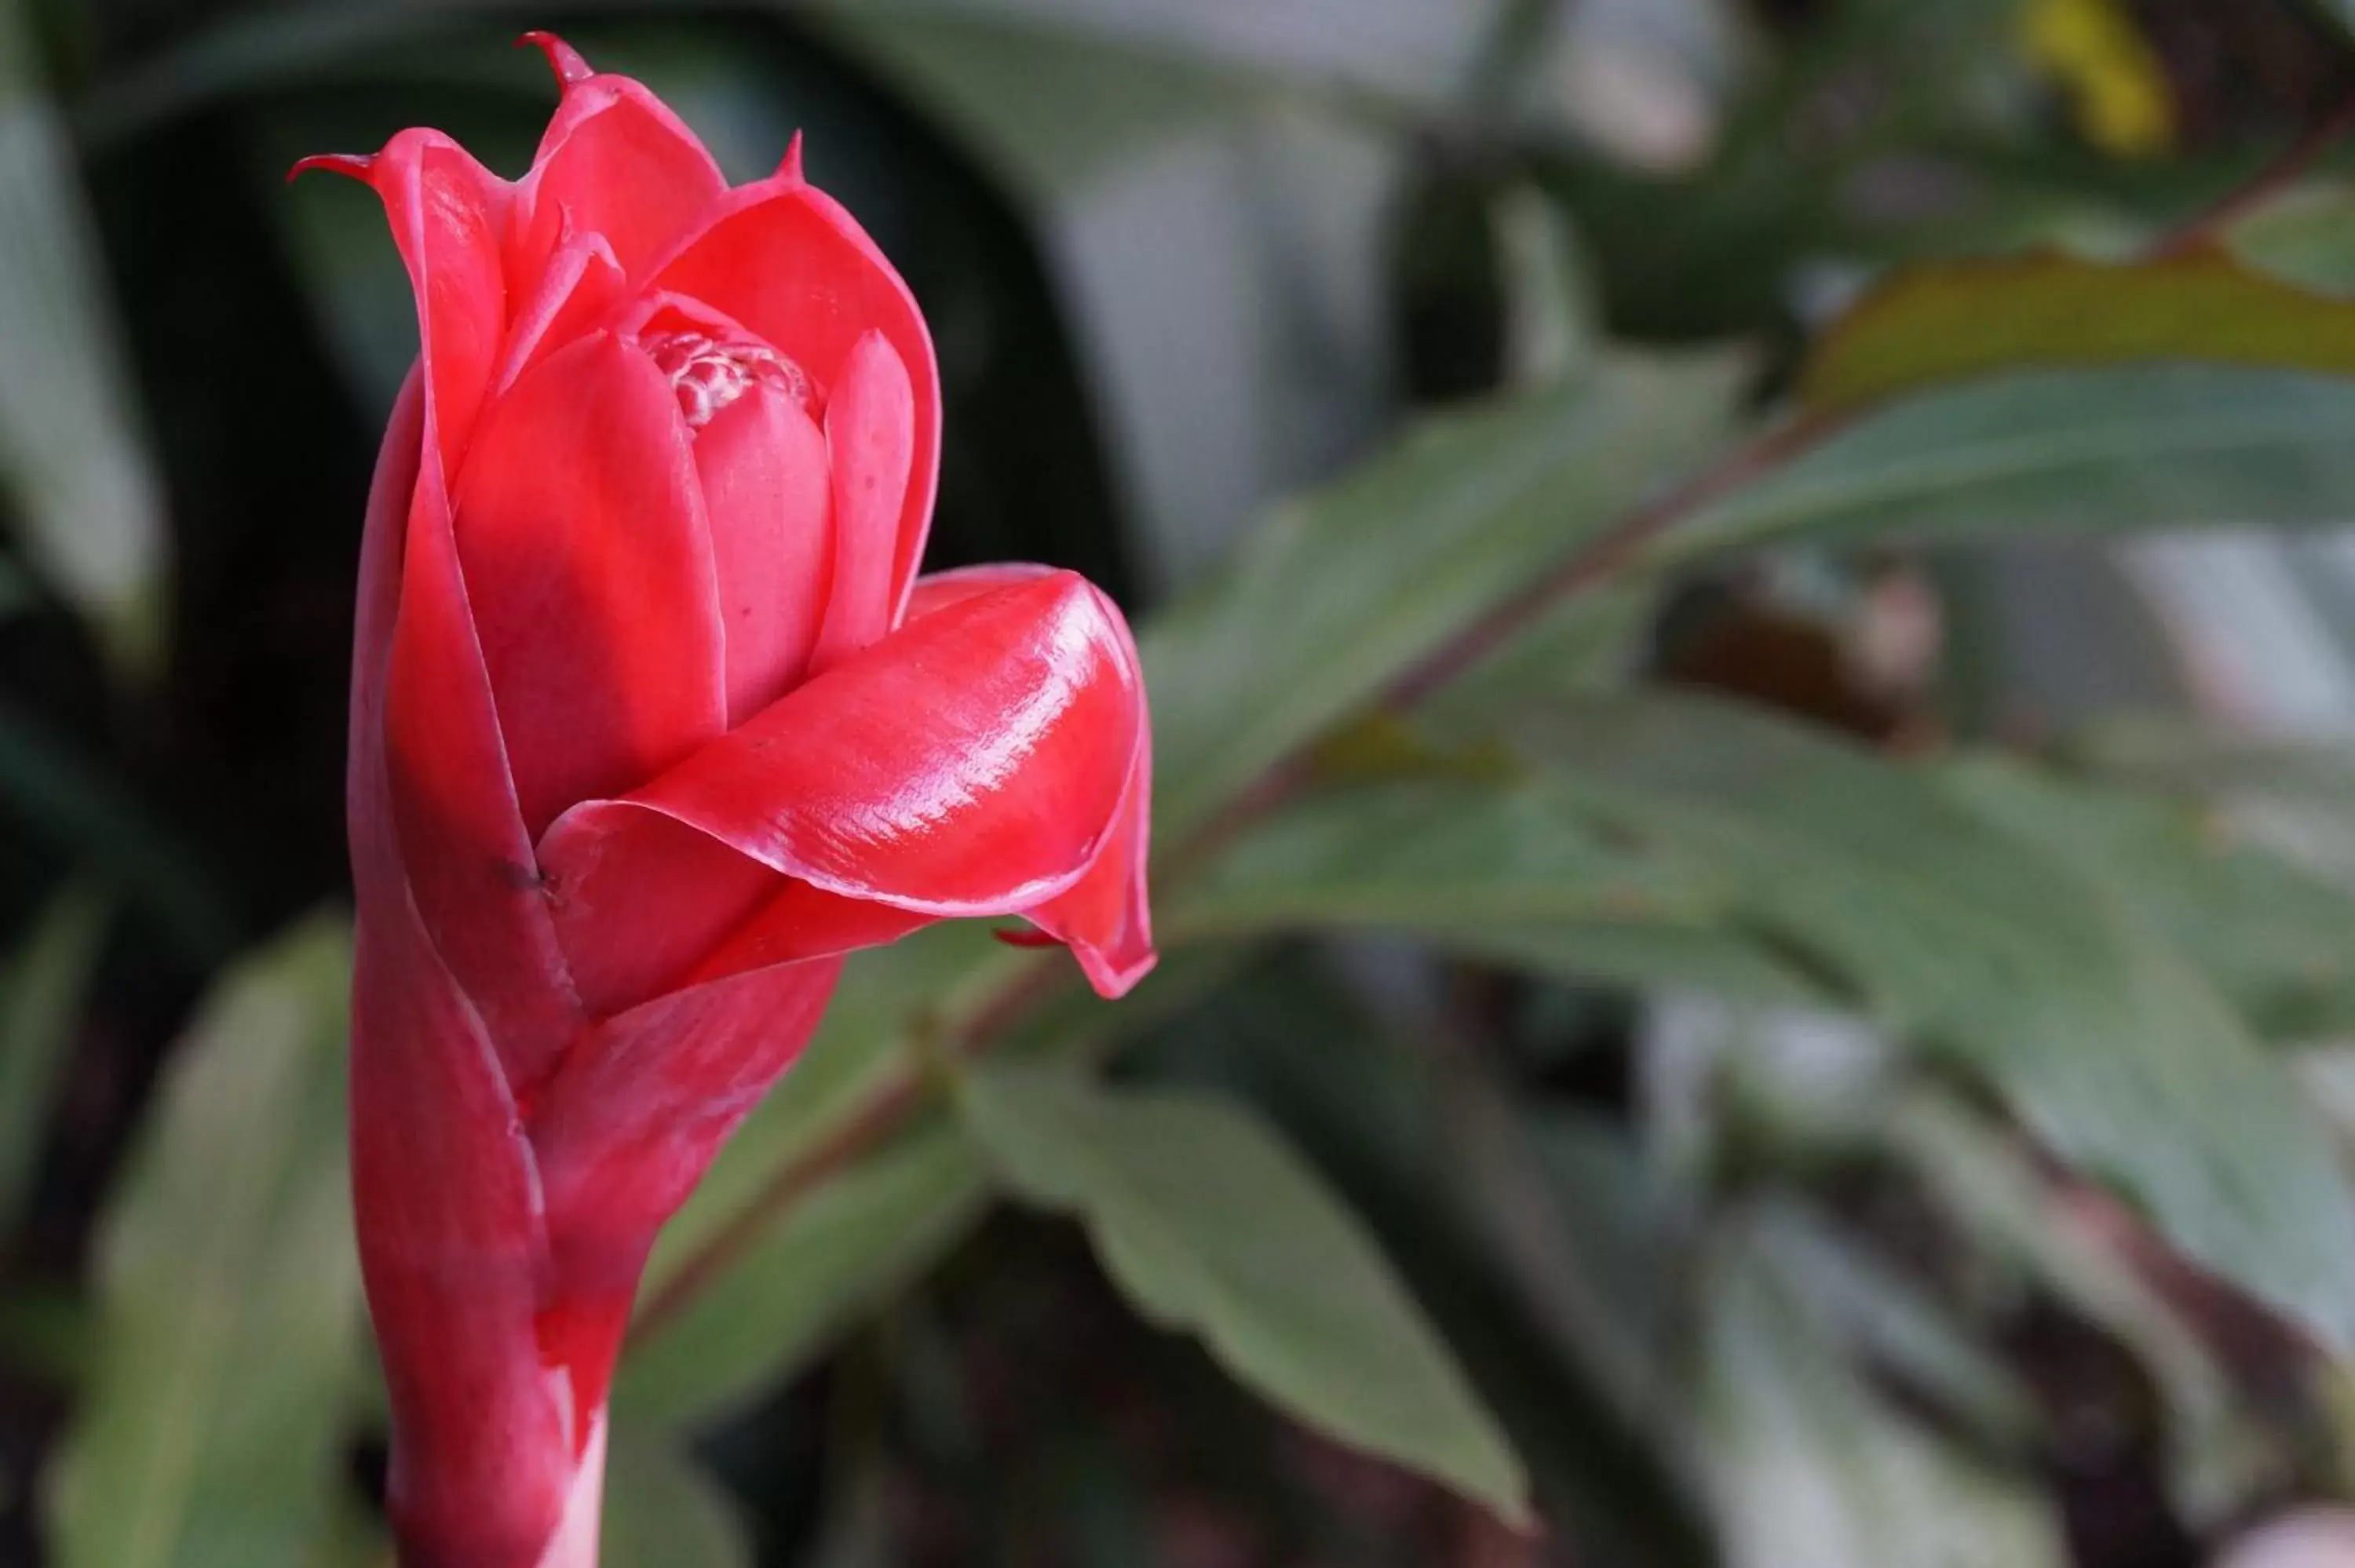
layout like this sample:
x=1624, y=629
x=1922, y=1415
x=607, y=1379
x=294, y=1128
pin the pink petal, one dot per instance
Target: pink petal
x=615, y=162
x=972, y=763
x=581, y=288
x=787, y=261
x=801, y=922
x=1104, y=917
x=870, y=437
x=764, y=469
x=445, y=1201
x=581, y=525
x=637, y=912
x=634, y=1120
x=428, y=716
x=443, y=1183
x=449, y=217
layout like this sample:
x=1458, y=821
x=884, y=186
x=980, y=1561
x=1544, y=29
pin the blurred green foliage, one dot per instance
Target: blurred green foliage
x=1751, y=975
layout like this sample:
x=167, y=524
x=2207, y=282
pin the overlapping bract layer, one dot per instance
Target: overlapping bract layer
x=652, y=721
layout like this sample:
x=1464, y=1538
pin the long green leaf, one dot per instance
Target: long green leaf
x=2274, y=937
x=1489, y=864
x=1211, y=1224
x=2055, y=453
x=1955, y=321
x=209, y=1432
x=1343, y=591
x=1428, y=854
x=71, y=455
x=2113, y=1045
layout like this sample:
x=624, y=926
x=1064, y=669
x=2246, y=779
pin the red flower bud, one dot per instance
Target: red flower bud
x=652, y=721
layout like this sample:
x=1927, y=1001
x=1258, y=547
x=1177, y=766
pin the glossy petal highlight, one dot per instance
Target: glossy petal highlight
x=972, y=763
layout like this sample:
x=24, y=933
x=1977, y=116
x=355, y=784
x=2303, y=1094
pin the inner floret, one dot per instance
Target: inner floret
x=708, y=374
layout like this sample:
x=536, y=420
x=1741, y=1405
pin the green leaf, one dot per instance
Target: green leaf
x=1491, y=865
x=353, y=1537
x=1048, y=108
x=1432, y=854
x=39, y=1007
x=1592, y=639
x=2056, y=452
x=852, y=1245
x=71, y=456
x=662, y=1511
x=1345, y=590
x=2274, y=937
x=1721, y=959
x=209, y=1432
x=2114, y=1047
x=1808, y=1465
x=2302, y=237
x=1954, y=322
x=1211, y=1223
x=1082, y=71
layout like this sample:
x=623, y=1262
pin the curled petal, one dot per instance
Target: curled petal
x=975, y=762
x=614, y=162
x=449, y=217
x=788, y=261
x=1104, y=917
x=562, y=58
x=581, y=525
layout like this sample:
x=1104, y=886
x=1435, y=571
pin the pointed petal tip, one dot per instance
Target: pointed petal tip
x=562, y=58
x=351, y=166
x=1113, y=976
x=790, y=167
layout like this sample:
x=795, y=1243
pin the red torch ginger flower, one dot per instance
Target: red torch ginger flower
x=652, y=721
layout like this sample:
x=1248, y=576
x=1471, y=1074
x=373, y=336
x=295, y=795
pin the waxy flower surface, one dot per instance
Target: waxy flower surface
x=653, y=720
